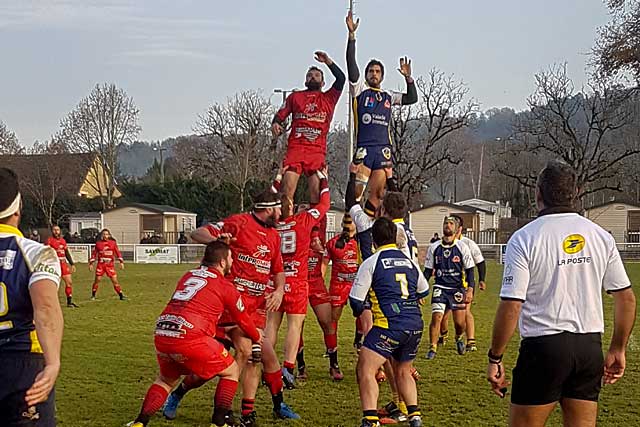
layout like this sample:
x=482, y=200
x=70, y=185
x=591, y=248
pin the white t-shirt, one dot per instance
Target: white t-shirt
x=558, y=265
x=476, y=253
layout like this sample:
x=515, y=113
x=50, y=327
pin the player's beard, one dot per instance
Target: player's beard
x=313, y=85
x=271, y=220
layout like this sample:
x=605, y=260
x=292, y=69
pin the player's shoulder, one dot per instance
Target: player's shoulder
x=36, y=255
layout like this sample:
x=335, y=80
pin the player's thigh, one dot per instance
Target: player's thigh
x=336, y=312
x=241, y=343
x=274, y=321
x=529, y=415
x=67, y=280
x=369, y=361
x=289, y=183
x=579, y=413
x=313, y=181
x=377, y=181
x=295, y=321
x=459, y=316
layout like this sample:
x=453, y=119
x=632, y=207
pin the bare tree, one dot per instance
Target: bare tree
x=238, y=140
x=586, y=129
x=617, y=48
x=8, y=141
x=338, y=162
x=101, y=123
x=420, y=132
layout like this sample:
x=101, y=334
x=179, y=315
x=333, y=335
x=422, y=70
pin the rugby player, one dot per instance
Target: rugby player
x=312, y=111
x=57, y=242
x=453, y=265
x=105, y=252
x=372, y=118
x=31, y=321
x=394, y=285
x=184, y=335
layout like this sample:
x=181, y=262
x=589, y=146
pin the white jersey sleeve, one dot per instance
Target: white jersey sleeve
x=476, y=253
x=358, y=87
x=42, y=261
x=516, y=276
x=429, y=261
x=467, y=258
x=362, y=282
x=615, y=277
x=361, y=220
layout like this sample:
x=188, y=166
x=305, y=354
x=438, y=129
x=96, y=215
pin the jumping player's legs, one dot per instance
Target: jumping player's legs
x=362, y=180
x=377, y=183
x=289, y=183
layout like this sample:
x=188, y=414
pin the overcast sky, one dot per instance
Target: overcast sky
x=177, y=57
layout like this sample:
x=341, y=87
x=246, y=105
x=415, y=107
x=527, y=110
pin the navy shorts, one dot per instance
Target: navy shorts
x=399, y=345
x=375, y=158
x=447, y=299
x=17, y=375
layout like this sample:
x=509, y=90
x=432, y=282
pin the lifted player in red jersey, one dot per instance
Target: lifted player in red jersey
x=295, y=234
x=255, y=247
x=57, y=242
x=184, y=336
x=312, y=112
x=105, y=253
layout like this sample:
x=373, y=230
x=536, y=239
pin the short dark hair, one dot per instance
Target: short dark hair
x=266, y=196
x=9, y=188
x=558, y=183
x=394, y=204
x=215, y=252
x=371, y=64
x=384, y=232
x=314, y=68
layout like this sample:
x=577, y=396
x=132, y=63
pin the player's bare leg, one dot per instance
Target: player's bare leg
x=362, y=181
x=274, y=321
x=368, y=364
x=94, y=287
x=394, y=410
x=290, y=183
x=68, y=290
x=470, y=329
x=364, y=324
x=292, y=339
x=314, y=198
x=460, y=323
x=434, y=331
x=444, y=328
x=117, y=288
x=377, y=184
x=407, y=386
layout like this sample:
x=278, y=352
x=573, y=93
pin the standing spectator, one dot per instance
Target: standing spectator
x=35, y=236
x=182, y=240
x=435, y=238
x=555, y=270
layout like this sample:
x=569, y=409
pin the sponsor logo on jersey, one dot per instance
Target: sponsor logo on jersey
x=369, y=102
x=261, y=251
x=396, y=262
x=315, y=213
x=456, y=258
x=366, y=118
x=44, y=268
x=574, y=261
x=240, y=304
x=507, y=281
x=573, y=243
x=170, y=325
x=6, y=259
x=259, y=263
x=387, y=104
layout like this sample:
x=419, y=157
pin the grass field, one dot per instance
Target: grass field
x=108, y=362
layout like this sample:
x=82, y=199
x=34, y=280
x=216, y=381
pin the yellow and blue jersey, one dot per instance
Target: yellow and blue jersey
x=452, y=263
x=22, y=263
x=372, y=114
x=393, y=284
x=406, y=240
x=363, y=223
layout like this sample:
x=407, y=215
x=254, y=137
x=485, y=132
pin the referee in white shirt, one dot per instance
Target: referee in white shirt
x=555, y=270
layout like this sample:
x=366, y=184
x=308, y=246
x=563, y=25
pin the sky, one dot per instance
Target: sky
x=175, y=58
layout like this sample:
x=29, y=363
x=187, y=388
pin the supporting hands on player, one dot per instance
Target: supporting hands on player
x=73, y=269
x=274, y=299
x=614, y=364
x=468, y=296
x=351, y=25
x=226, y=238
x=354, y=168
x=322, y=57
x=43, y=384
x=405, y=68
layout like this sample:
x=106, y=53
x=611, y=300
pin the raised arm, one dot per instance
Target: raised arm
x=352, y=66
x=338, y=84
x=411, y=96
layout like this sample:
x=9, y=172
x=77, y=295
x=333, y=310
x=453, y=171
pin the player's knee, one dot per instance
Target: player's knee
x=233, y=372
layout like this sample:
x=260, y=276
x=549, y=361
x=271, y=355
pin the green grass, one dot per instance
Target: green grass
x=108, y=362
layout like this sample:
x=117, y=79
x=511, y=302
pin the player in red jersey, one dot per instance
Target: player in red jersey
x=295, y=235
x=105, y=252
x=312, y=111
x=57, y=242
x=184, y=335
x=255, y=246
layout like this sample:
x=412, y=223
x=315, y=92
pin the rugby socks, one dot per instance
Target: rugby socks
x=471, y=342
x=94, y=290
x=223, y=400
x=444, y=335
x=247, y=406
x=153, y=401
x=117, y=288
x=395, y=396
x=403, y=407
x=300, y=359
x=68, y=291
x=69, y=302
x=370, y=208
x=289, y=366
x=274, y=382
x=371, y=416
x=413, y=411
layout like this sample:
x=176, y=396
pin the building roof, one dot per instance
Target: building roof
x=71, y=168
x=159, y=209
x=612, y=202
x=85, y=215
x=469, y=209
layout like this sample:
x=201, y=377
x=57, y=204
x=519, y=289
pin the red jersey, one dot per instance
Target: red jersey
x=255, y=249
x=60, y=246
x=200, y=298
x=315, y=265
x=105, y=252
x=312, y=113
x=344, y=262
x=295, y=234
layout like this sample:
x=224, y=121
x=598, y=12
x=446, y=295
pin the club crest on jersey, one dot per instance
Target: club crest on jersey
x=310, y=107
x=240, y=304
x=386, y=152
x=366, y=118
x=446, y=253
x=261, y=251
x=458, y=297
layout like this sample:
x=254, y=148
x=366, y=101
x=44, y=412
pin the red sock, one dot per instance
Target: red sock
x=274, y=381
x=117, y=288
x=289, y=365
x=331, y=342
x=68, y=291
x=225, y=391
x=358, y=325
x=94, y=288
x=322, y=226
x=247, y=405
x=154, y=400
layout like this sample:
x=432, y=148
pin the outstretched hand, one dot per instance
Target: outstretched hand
x=405, y=67
x=351, y=25
x=322, y=57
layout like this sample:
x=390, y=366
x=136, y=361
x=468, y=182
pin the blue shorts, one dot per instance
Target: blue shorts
x=399, y=345
x=447, y=299
x=375, y=157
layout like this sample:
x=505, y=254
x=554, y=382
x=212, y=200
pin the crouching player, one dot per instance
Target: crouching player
x=394, y=285
x=184, y=336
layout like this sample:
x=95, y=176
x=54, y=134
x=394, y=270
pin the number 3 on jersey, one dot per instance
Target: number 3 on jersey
x=191, y=287
x=288, y=242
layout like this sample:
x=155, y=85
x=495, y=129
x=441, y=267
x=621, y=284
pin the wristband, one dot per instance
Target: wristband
x=493, y=358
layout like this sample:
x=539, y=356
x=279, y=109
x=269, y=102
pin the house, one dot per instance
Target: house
x=428, y=220
x=334, y=221
x=132, y=222
x=620, y=219
x=83, y=220
x=80, y=174
x=499, y=210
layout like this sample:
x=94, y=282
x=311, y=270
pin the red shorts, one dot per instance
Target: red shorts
x=339, y=292
x=65, y=268
x=304, y=159
x=108, y=269
x=296, y=298
x=255, y=307
x=318, y=292
x=204, y=357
